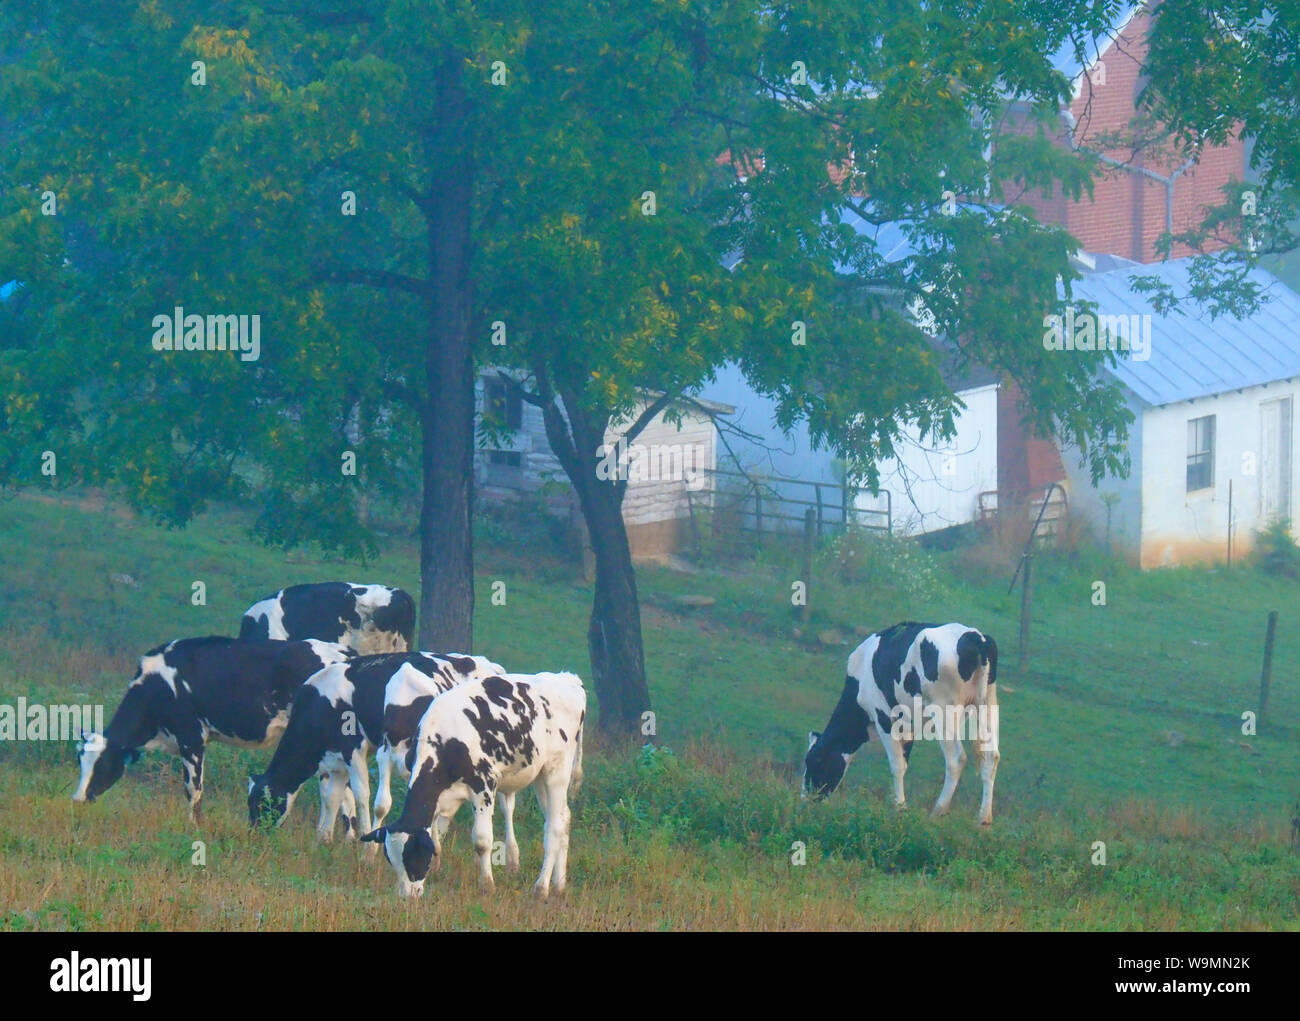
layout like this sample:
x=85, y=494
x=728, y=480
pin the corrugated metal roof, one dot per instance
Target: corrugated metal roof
x=1193, y=355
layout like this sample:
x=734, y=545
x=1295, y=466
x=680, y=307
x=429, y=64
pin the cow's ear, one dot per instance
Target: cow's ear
x=376, y=836
x=813, y=738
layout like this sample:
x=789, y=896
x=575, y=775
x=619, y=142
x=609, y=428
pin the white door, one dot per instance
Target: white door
x=1275, y=460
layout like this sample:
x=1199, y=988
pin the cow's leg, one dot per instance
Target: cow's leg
x=441, y=823
x=989, y=757
x=192, y=771
x=383, y=787
x=334, y=788
x=359, y=784
x=348, y=806
x=512, y=845
x=560, y=876
x=554, y=847
x=483, y=837
x=897, y=764
x=954, y=759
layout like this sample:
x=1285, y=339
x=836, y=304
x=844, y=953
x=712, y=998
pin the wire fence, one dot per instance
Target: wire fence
x=739, y=511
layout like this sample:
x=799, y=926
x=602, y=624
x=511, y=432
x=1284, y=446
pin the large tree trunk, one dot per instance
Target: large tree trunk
x=614, y=632
x=447, y=425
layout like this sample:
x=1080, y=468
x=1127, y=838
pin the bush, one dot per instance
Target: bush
x=1276, y=551
x=529, y=522
x=889, y=562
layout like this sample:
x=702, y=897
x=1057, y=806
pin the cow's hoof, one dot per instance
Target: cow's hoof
x=541, y=893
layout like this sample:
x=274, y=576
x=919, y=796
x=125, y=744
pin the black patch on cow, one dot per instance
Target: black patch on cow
x=970, y=654
x=417, y=855
x=907, y=750
x=883, y=723
x=891, y=651
x=563, y=735
x=991, y=654
x=506, y=734
x=845, y=733
x=402, y=723
x=448, y=762
x=912, y=682
x=255, y=627
x=930, y=659
x=462, y=664
x=233, y=687
x=398, y=616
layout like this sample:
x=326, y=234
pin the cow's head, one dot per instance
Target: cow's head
x=410, y=853
x=823, y=767
x=102, y=762
x=266, y=805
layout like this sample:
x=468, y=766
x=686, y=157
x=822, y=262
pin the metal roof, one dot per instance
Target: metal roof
x=1191, y=354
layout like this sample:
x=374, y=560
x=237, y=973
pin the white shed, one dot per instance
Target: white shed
x=1212, y=442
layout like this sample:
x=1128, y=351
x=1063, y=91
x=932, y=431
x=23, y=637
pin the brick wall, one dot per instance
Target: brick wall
x=1127, y=211
x=1025, y=461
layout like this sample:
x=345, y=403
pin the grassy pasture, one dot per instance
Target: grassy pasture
x=1126, y=729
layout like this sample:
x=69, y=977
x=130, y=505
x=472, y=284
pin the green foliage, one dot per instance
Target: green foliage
x=1216, y=71
x=1276, y=551
x=858, y=557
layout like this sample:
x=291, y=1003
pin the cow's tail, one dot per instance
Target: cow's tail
x=575, y=779
x=990, y=649
x=406, y=618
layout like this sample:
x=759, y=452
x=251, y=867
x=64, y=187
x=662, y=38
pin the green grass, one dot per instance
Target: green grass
x=1125, y=729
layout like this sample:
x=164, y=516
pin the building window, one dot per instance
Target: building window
x=507, y=458
x=1200, y=453
x=502, y=404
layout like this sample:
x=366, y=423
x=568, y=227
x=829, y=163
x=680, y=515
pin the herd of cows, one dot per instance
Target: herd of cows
x=327, y=671
x=324, y=670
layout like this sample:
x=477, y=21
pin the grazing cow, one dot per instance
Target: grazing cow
x=900, y=682
x=194, y=690
x=479, y=740
x=338, y=718
x=369, y=618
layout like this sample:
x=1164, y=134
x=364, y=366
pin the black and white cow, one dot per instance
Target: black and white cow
x=369, y=618
x=195, y=690
x=484, y=739
x=338, y=719
x=908, y=681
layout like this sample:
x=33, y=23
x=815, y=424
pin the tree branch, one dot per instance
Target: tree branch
x=380, y=278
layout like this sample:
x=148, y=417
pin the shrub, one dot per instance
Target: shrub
x=1276, y=551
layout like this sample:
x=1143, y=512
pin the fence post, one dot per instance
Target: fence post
x=695, y=528
x=1266, y=674
x=758, y=514
x=817, y=488
x=808, y=543
x=1024, y=614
